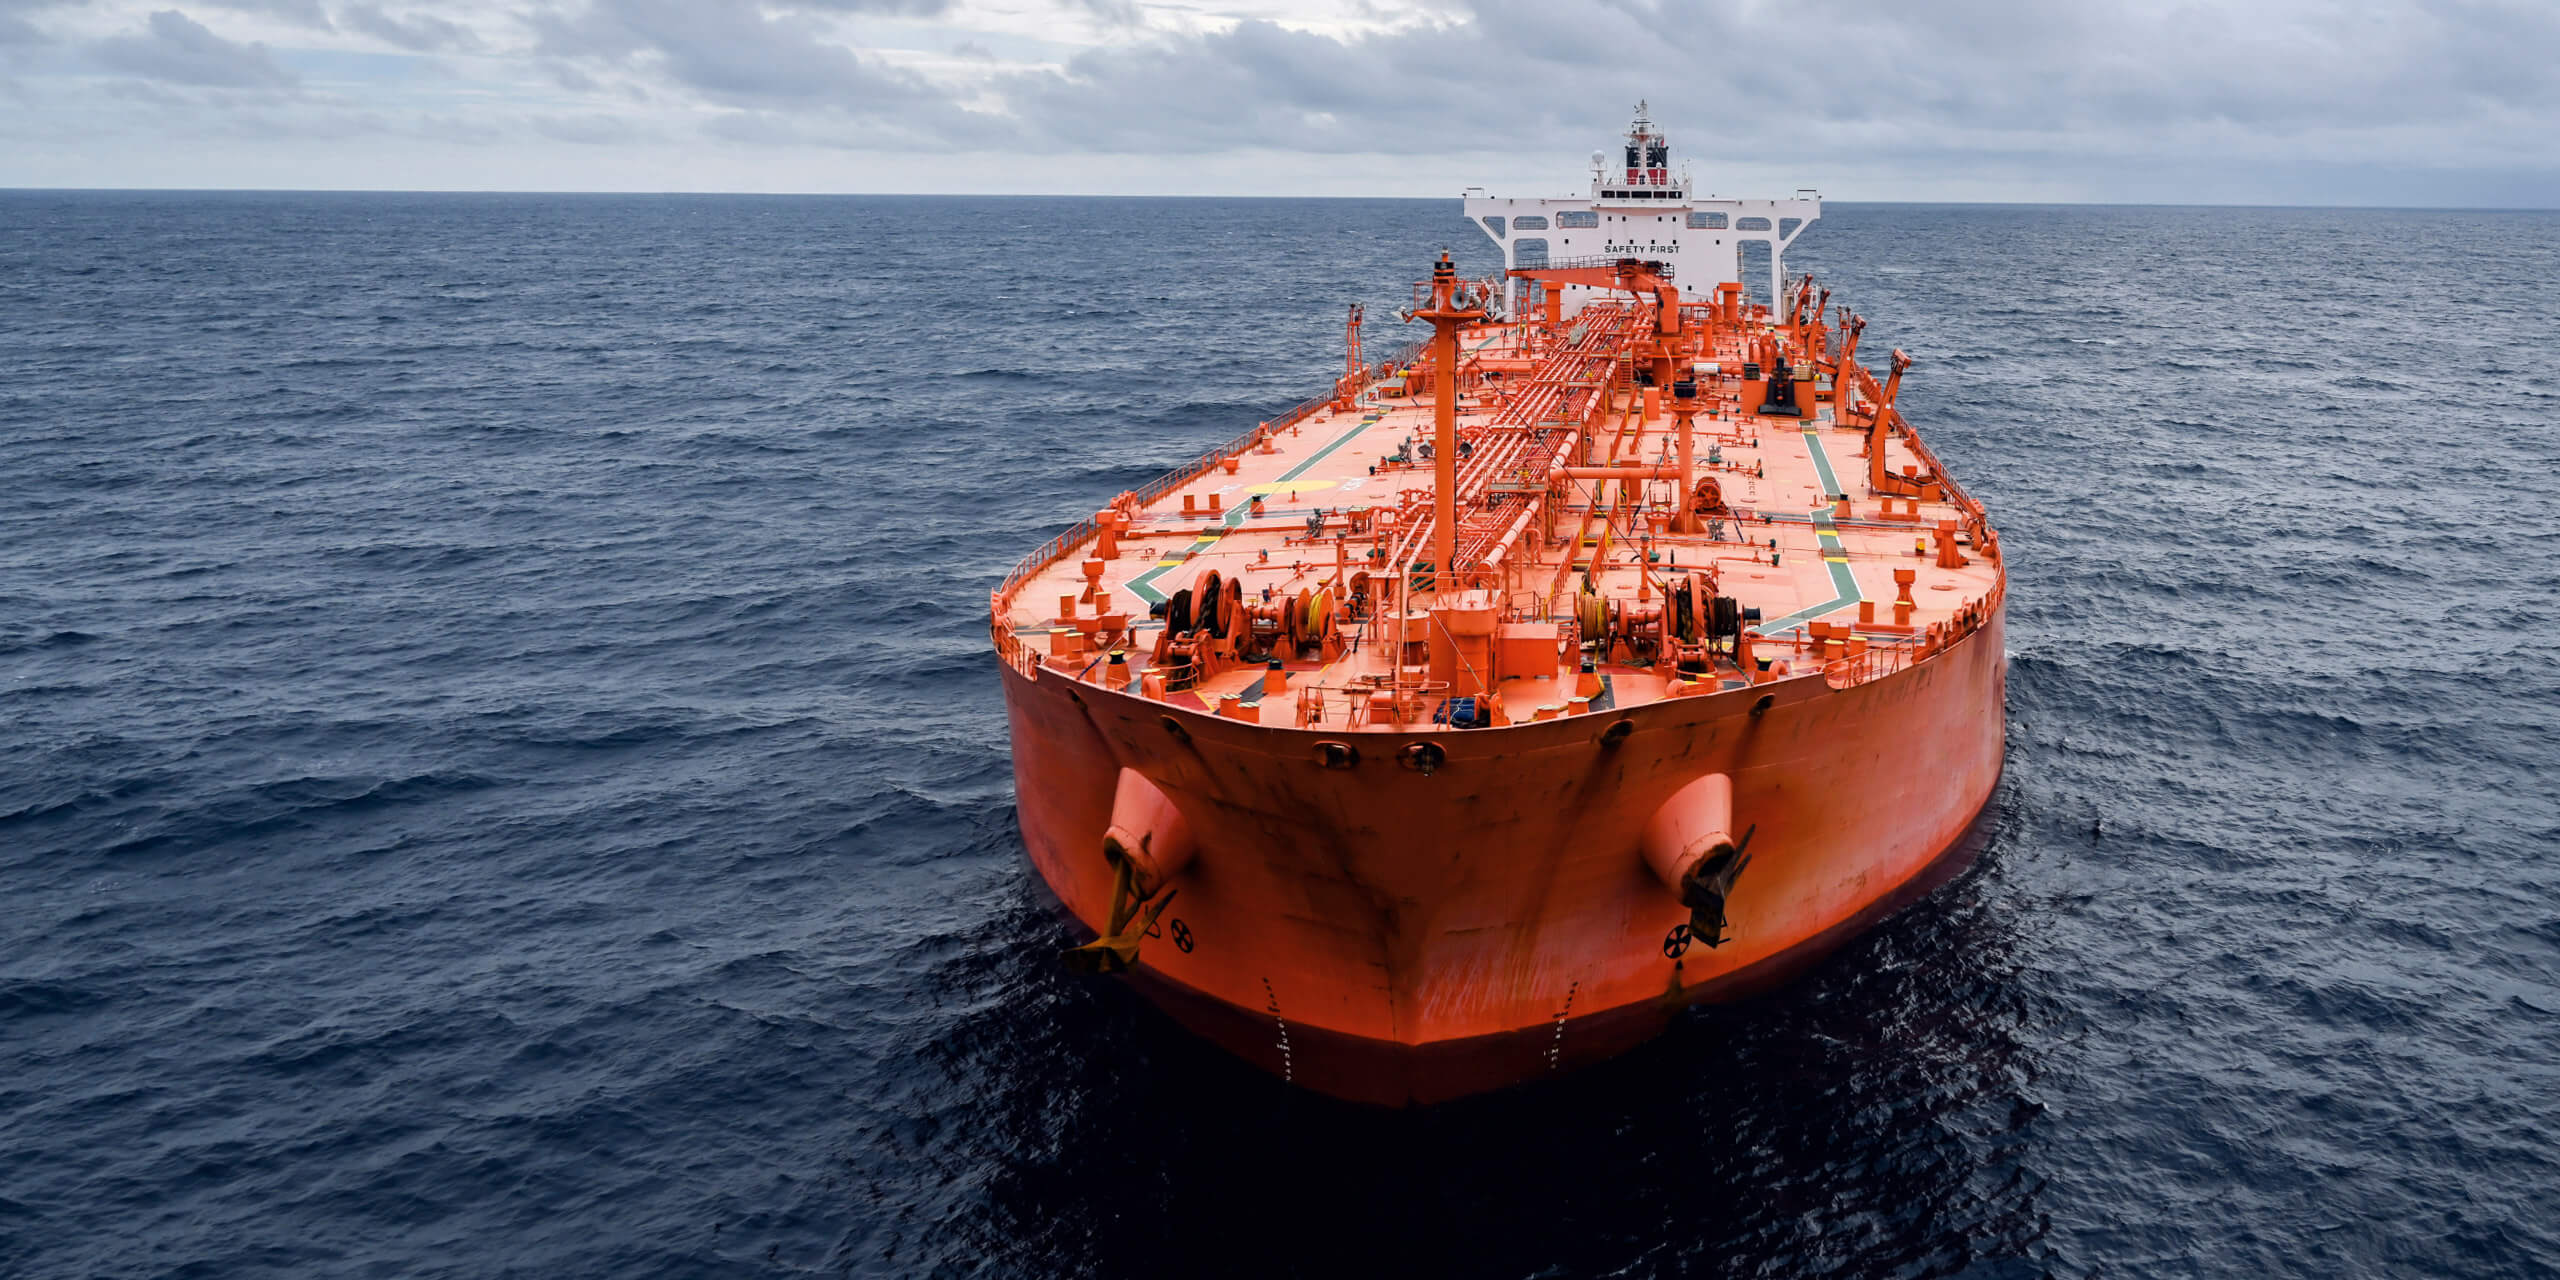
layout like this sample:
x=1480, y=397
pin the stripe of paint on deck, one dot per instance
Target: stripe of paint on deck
x=1144, y=585
x=1327, y=451
x=1835, y=556
x=1822, y=464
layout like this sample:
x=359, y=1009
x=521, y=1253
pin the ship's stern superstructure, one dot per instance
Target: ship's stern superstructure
x=1638, y=205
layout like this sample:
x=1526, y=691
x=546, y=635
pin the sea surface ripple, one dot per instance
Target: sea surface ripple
x=503, y=772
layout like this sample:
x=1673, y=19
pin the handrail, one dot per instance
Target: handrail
x=1875, y=663
x=1878, y=660
x=1964, y=502
x=1056, y=548
x=1592, y=262
x=1884, y=658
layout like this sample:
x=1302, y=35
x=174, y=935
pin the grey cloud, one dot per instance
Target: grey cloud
x=613, y=28
x=303, y=12
x=1257, y=85
x=1117, y=13
x=2034, y=95
x=904, y=8
x=1833, y=79
x=420, y=33
x=14, y=27
x=176, y=49
x=755, y=127
x=589, y=129
x=732, y=52
x=1866, y=80
x=570, y=78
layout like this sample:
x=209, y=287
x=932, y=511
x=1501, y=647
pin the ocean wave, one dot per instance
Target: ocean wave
x=506, y=773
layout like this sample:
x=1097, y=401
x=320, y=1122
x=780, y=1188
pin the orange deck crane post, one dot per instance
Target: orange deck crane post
x=1449, y=308
x=1355, y=372
x=1880, y=429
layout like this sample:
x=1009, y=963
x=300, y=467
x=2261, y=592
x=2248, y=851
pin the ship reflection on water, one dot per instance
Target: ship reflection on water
x=1869, y=1116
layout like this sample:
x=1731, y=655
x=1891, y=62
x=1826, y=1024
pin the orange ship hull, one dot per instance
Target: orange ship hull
x=1618, y=649
x=1385, y=934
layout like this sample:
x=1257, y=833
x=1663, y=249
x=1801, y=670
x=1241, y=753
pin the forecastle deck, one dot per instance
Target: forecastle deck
x=1286, y=580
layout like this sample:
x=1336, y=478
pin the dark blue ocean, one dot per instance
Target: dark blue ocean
x=502, y=773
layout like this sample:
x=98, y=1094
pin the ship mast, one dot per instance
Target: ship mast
x=1355, y=371
x=1450, y=310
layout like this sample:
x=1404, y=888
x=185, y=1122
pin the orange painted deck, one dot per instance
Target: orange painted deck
x=1413, y=862
x=1791, y=550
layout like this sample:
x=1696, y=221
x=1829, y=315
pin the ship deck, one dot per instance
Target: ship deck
x=1805, y=542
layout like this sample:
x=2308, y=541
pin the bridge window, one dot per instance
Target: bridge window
x=1752, y=224
x=1529, y=222
x=1495, y=226
x=1707, y=221
x=1577, y=218
x=1531, y=252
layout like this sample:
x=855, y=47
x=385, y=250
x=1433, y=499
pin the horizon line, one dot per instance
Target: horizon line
x=1087, y=195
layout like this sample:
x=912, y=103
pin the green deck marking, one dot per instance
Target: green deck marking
x=1822, y=464
x=1327, y=451
x=1835, y=556
x=1144, y=585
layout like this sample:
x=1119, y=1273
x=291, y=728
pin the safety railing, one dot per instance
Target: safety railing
x=1864, y=382
x=1875, y=662
x=1880, y=658
x=1604, y=261
x=1050, y=552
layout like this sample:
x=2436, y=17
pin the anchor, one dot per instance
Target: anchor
x=1704, y=890
x=1146, y=845
x=1133, y=919
x=1686, y=845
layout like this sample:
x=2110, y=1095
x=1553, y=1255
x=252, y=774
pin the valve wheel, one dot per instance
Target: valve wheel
x=1674, y=944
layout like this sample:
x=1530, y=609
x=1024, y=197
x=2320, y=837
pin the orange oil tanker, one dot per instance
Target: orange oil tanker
x=1620, y=648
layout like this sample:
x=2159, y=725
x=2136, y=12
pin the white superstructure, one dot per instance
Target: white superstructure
x=1639, y=209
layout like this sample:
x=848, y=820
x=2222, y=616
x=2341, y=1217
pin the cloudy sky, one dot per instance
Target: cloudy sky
x=2401, y=102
